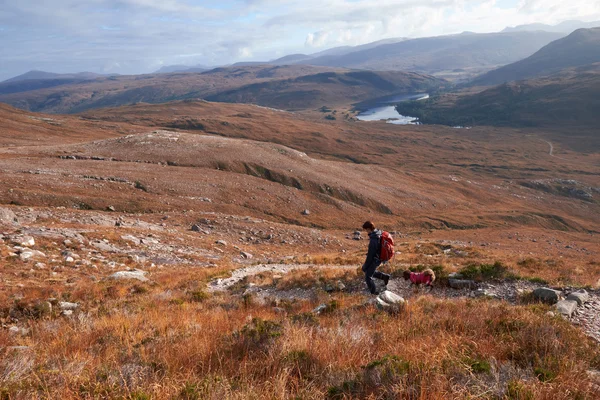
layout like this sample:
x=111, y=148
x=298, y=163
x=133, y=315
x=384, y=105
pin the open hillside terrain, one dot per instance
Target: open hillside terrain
x=580, y=48
x=196, y=249
x=566, y=101
x=288, y=87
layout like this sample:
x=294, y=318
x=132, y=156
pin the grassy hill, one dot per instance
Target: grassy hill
x=581, y=47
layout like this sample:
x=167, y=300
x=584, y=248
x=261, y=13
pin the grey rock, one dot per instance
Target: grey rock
x=221, y=243
x=462, y=284
x=16, y=331
x=131, y=238
x=24, y=241
x=247, y=256
x=340, y=286
x=67, y=313
x=566, y=307
x=136, y=274
x=111, y=208
x=390, y=302
x=65, y=305
x=455, y=275
x=306, y=212
x=581, y=296
x=547, y=295
x=31, y=255
x=196, y=228
x=320, y=309
x=7, y=217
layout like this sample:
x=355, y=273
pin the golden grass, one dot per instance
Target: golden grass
x=165, y=341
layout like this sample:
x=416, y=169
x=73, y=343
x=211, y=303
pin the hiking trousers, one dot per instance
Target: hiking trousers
x=370, y=273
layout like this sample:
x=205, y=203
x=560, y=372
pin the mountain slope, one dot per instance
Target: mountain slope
x=568, y=99
x=579, y=48
x=328, y=88
x=42, y=75
x=443, y=53
x=233, y=84
x=565, y=27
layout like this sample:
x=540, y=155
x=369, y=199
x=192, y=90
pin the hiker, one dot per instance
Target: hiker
x=374, y=258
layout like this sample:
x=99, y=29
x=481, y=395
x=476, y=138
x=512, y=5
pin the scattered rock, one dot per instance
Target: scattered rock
x=340, y=286
x=24, y=241
x=7, y=217
x=547, y=295
x=65, y=305
x=462, y=284
x=581, y=296
x=196, y=228
x=320, y=309
x=133, y=274
x=306, y=212
x=131, y=238
x=455, y=275
x=16, y=331
x=357, y=235
x=221, y=243
x=111, y=208
x=31, y=254
x=550, y=314
x=67, y=313
x=247, y=256
x=566, y=307
x=39, y=265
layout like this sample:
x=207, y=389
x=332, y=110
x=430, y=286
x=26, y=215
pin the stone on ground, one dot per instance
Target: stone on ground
x=566, y=307
x=65, y=305
x=462, y=284
x=133, y=274
x=547, y=295
x=581, y=296
x=7, y=217
x=390, y=302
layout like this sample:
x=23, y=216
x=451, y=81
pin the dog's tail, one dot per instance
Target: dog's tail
x=430, y=272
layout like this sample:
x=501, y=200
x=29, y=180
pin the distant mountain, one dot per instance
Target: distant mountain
x=579, y=48
x=34, y=80
x=443, y=53
x=181, y=68
x=42, y=75
x=565, y=99
x=286, y=87
x=564, y=27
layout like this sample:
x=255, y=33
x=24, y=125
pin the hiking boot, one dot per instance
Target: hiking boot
x=386, y=279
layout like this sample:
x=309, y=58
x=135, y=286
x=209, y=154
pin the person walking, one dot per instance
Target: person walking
x=373, y=260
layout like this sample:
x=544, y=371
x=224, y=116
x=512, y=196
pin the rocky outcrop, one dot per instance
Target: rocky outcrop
x=566, y=307
x=580, y=296
x=136, y=274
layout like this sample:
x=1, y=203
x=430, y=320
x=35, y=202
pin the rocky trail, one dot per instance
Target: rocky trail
x=579, y=306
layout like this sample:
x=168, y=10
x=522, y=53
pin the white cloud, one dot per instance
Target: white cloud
x=137, y=35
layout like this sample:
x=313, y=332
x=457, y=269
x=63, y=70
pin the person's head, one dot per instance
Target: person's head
x=368, y=226
x=406, y=275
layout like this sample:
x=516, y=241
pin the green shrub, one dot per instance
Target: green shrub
x=199, y=296
x=516, y=390
x=496, y=270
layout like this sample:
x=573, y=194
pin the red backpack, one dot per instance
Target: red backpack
x=387, y=247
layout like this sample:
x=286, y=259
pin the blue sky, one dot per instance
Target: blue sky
x=138, y=36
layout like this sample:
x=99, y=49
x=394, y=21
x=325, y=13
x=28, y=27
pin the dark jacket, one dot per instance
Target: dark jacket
x=374, y=249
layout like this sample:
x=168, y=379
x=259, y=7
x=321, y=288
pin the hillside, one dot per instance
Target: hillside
x=444, y=54
x=294, y=87
x=194, y=250
x=42, y=75
x=564, y=101
x=581, y=47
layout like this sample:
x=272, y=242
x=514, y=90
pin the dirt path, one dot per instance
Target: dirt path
x=587, y=316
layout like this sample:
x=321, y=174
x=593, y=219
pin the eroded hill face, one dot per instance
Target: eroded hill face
x=341, y=172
